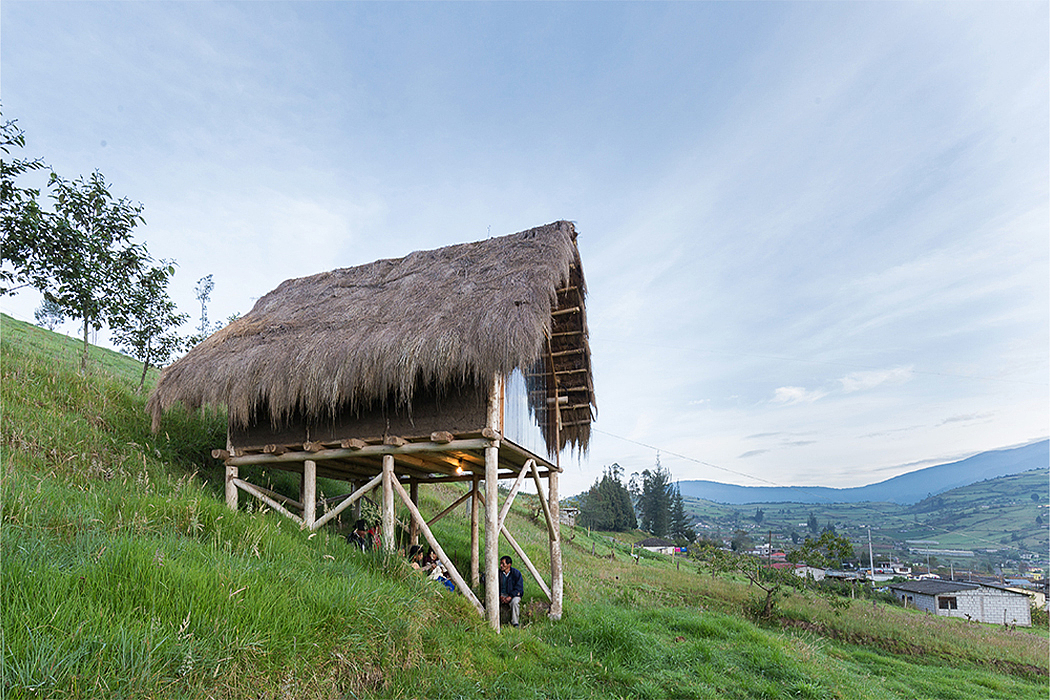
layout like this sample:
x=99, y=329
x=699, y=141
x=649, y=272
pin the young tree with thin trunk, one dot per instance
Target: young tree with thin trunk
x=90, y=257
x=22, y=221
x=144, y=320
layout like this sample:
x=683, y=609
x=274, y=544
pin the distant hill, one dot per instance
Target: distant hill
x=905, y=489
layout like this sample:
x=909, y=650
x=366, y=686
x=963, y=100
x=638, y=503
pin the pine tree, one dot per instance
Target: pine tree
x=681, y=530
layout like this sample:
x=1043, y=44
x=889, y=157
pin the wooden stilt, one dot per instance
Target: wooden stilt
x=557, y=579
x=492, y=537
x=413, y=530
x=308, y=493
x=451, y=508
x=388, y=502
x=514, y=491
x=357, y=501
x=231, y=488
x=475, y=575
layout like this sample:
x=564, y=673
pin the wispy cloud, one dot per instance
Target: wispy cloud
x=797, y=394
x=752, y=453
x=862, y=381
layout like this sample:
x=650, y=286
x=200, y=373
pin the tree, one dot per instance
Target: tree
x=823, y=552
x=654, y=505
x=741, y=541
x=20, y=214
x=90, y=257
x=143, y=320
x=759, y=516
x=681, y=530
x=48, y=315
x=607, y=505
x=812, y=524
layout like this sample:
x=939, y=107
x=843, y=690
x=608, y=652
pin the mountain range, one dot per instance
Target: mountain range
x=904, y=489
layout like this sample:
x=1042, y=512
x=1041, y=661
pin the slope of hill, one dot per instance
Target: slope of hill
x=905, y=489
x=124, y=575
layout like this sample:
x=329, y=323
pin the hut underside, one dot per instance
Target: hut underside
x=395, y=467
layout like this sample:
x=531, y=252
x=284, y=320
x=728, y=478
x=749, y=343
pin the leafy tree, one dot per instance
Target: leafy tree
x=90, y=257
x=143, y=321
x=48, y=315
x=741, y=541
x=825, y=551
x=22, y=220
x=812, y=524
x=607, y=505
x=654, y=505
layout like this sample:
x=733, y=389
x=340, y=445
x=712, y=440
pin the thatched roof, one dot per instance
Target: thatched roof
x=375, y=333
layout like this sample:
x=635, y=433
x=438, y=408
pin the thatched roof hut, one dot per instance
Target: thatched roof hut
x=438, y=321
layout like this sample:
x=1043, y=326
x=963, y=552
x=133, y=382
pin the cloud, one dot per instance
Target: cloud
x=752, y=453
x=966, y=418
x=862, y=381
x=795, y=394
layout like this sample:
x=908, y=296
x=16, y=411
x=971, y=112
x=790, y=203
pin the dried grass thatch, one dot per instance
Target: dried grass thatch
x=352, y=337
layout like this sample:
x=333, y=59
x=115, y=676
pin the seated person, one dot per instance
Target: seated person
x=511, y=588
x=361, y=537
x=415, y=556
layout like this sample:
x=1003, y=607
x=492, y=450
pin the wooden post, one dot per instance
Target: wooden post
x=308, y=493
x=413, y=529
x=357, y=504
x=231, y=488
x=353, y=499
x=475, y=574
x=388, y=502
x=492, y=536
x=557, y=581
x=492, y=506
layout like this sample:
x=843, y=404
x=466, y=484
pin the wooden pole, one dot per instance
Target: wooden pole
x=357, y=501
x=475, y=574
x=354, y=500
x=557, y=580
x=528, y=563
x=451, y=508
x=551, y=525
x=492, y=507
x=432, y=541
x=231, y=488
x=413, y=530
x=514, y=491
x=308, y=493
x=388, y=502
x=250, y=488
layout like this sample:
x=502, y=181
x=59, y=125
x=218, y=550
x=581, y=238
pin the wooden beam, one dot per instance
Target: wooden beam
x=562, y=312
x=220, y=454
x=275, y=449
x=353, y=444
x=528, y=562
x=308, y=494
x=565, y=353
x=432, y=541
x=251, y=489
x=312, y=447
x=442, y=437
x=475, y=574
x=543, y=502
x=451, y=508
x=394, y=441
x=413, y=529
x=513, y=492
x=388, y=502
x=368, y=450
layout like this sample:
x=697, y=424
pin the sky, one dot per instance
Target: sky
x=815, y=235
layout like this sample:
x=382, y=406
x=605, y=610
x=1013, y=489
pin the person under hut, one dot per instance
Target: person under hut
x=361, y=537
x=511, y=589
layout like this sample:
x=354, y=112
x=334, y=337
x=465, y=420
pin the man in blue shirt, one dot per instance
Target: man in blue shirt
x=511, y=588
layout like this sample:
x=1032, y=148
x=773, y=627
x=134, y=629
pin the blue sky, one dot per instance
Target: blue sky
x=815, y=234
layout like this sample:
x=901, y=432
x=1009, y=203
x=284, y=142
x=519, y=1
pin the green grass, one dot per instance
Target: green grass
x=124, y=575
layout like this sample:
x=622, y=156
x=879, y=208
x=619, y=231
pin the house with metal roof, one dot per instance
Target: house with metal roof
x=979, y=602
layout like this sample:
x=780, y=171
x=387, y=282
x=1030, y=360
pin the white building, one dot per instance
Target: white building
x=972, y=601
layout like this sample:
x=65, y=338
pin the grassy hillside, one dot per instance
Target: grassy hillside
x=125, y=576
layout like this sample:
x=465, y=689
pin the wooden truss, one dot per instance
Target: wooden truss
x=391, y=464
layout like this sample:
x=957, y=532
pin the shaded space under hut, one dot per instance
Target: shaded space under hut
x=468, y=363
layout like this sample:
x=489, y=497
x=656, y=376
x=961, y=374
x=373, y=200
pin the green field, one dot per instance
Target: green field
x=125, y=576
x=998, y=520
